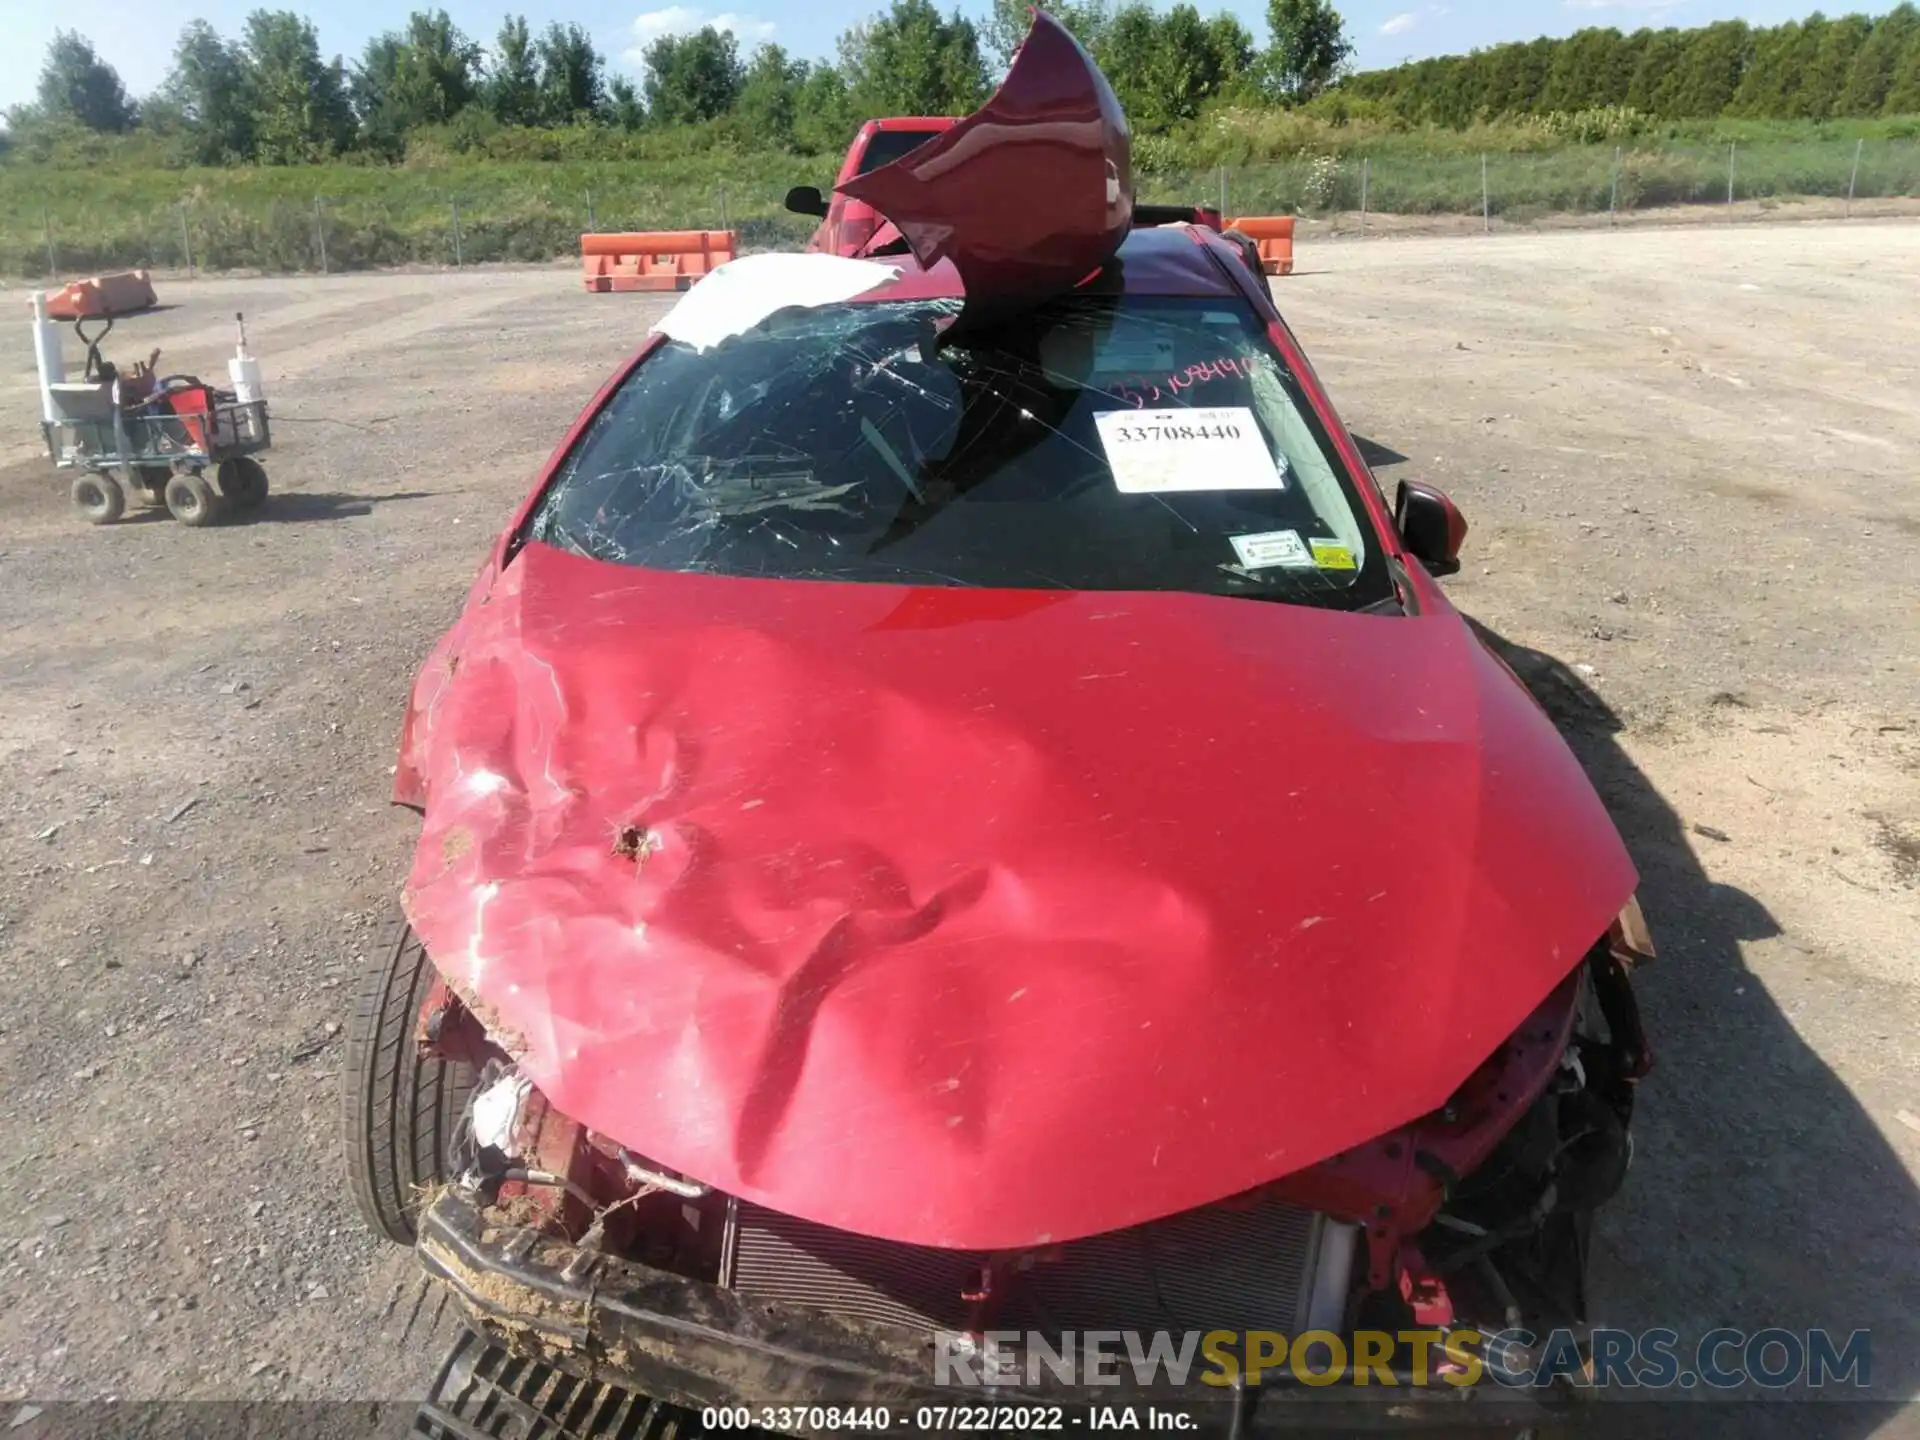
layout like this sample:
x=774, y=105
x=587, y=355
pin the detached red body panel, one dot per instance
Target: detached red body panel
x=986, y=918
x=1028, y=195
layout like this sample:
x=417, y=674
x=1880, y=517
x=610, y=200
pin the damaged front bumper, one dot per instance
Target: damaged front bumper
x=689, y=1343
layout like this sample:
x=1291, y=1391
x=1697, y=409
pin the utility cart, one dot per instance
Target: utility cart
x=174, y=440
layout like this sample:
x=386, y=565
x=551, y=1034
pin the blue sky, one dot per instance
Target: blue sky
x=137, y=39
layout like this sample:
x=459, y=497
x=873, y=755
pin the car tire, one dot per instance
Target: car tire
x=243, y=480
x=99, y=498
x=402, y=1107
x=484, y=1389
x=191, y=501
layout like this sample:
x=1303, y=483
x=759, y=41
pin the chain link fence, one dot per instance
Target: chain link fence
x=416, y=225
x=1521, y=188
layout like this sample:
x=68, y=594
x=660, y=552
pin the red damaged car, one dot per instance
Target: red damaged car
x=955, y=806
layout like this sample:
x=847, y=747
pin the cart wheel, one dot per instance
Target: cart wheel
x=191, y=501
x=99, y=498
x=243, y=481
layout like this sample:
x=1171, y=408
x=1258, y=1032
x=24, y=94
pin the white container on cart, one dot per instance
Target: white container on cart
x=47, y=359
x=243, y=370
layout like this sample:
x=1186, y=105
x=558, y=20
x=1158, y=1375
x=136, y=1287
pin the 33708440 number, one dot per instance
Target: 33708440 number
x=788, y=1419
x=1142, y=434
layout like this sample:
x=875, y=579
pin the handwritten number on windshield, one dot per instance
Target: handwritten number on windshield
x=1144, y=392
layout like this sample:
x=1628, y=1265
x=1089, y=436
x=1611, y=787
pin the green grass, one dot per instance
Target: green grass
x=107, y=215
x=266, y=219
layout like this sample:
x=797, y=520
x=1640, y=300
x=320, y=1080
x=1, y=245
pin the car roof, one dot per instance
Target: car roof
x=1187, y=261
x=1160, y=260
x=910, y=122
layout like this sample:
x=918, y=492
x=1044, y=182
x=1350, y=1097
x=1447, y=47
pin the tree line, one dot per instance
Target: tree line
x=1812, y=69
x=269, y=96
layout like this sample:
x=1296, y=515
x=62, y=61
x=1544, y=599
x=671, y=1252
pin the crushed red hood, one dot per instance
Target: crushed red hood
x=988, y=918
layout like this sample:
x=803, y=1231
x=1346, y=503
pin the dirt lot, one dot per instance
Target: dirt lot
x=1690, y=462
x=1799, y=210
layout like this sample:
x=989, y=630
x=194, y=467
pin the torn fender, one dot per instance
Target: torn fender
x=984, y=918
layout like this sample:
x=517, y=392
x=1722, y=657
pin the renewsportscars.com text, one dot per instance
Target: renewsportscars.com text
x=1656, y=1359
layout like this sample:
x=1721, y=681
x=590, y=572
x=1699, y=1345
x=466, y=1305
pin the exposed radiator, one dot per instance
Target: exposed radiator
x=776, y=1257
x=1213, y=1268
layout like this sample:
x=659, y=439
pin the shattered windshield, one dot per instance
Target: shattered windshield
x=1102, y=443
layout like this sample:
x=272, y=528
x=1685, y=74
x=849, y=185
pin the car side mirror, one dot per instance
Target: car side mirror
x=805, y=200
x=1430, y=525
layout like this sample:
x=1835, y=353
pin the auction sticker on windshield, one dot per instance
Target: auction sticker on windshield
x=1275, y=547
x=1160, y=452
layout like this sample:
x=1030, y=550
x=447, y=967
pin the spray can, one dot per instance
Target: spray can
x=47, y=359
x=243, y=370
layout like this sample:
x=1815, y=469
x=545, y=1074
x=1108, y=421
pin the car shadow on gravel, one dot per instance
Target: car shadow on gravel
x=294, y=506
x=1377, y=455
x=1762, y=1194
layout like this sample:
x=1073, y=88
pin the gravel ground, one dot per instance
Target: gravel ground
x=1689, y=461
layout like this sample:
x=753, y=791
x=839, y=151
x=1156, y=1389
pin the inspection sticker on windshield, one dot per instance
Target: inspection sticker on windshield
x=1329, y=556
x=1275, y=547
x=1161, y=452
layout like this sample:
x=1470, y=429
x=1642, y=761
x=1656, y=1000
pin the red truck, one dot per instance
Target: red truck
x=846, y=225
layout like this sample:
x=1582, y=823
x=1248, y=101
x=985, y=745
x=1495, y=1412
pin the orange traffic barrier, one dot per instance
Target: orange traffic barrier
x=1272, y=235
x=652, y=260
x=102, y=295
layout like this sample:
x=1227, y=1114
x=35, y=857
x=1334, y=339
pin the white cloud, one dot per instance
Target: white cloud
x=674, y=20
x=1401, y=24
x=1623, y=4
x=649, y=26
x=745, y=27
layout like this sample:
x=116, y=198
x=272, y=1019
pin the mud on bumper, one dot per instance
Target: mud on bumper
x=688, y=1343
